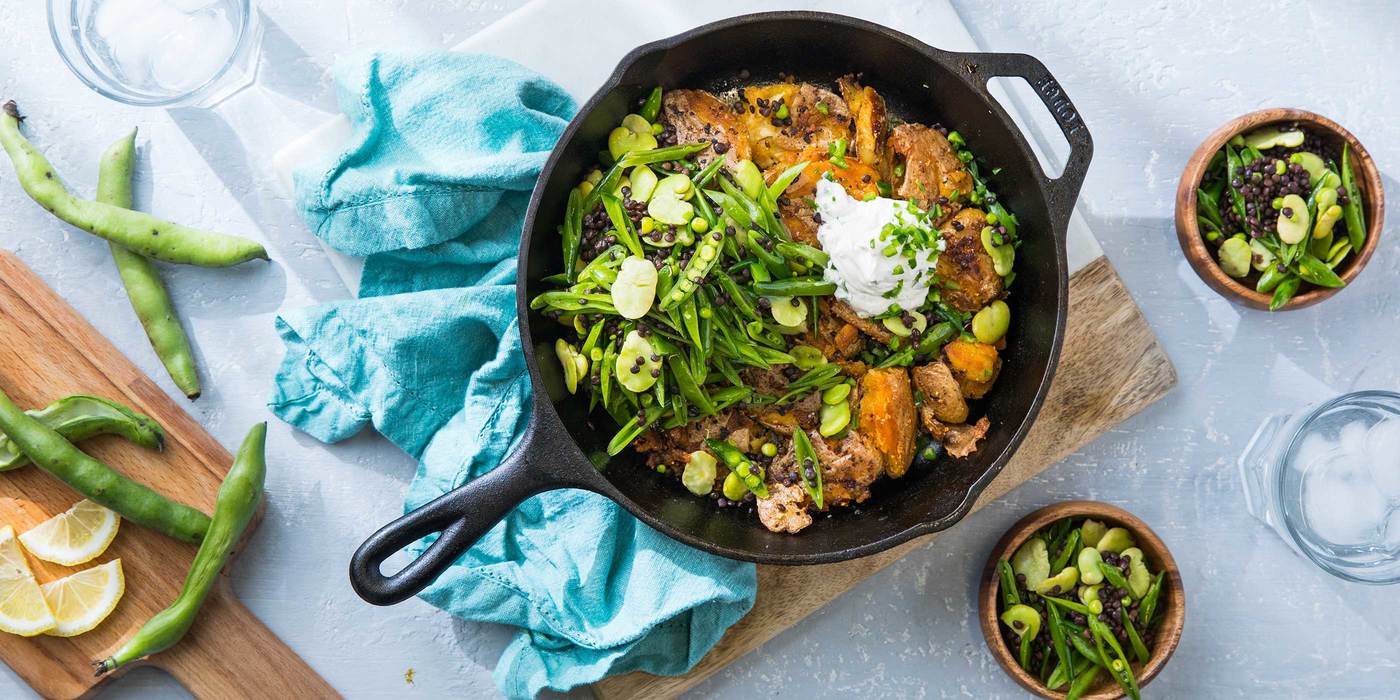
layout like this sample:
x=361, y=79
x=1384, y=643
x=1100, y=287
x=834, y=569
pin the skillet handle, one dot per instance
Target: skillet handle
x=462, y=516
x=1063, y=190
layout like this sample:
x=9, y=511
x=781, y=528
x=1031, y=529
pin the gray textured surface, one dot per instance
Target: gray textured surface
x=1150, y=79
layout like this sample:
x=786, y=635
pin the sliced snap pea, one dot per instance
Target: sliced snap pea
x=1316, y=272
x=1284, y=292
x=80, y=417
x=1135, y=640
x=1147, y=610
x=1009, y=595
x=1085, y=649
x=786, y=178
x=1057, y=638
x=1066, y=552
x=1118, y=665
x=651, y=108
x=1082, y=683
x=809, y=466
x=810, y=286
x=572, y=232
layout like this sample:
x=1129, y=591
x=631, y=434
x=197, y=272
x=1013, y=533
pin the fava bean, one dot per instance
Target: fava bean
x=81, y=417
x=834, y=419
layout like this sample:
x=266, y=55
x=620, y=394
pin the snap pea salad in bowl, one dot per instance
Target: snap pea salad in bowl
x=1281, y=207
x=1079, y=602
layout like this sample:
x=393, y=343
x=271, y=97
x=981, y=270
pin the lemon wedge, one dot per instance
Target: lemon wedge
x=22, y=607
x=75, y=537
x=82, y=601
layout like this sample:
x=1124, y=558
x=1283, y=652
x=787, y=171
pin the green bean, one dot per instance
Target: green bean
x=1353, y=212
x=97, y=481
x=1284, y=292
x=572, y=232
x=810, y=286
x=1009, y=594
x=80, y=417
x=237, y=503
x=1147, y=609
x=651, y=108
x=658, y=155
x=138, y=232
x=1082, y=683
x=807, y=459
x=144, y=288
x=1139, y=649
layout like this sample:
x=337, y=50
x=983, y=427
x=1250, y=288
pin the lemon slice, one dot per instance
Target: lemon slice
x=77, y=536
x=82, y=601
x=22, y=607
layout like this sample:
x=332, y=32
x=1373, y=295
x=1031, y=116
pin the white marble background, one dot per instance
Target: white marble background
x=1150, y=78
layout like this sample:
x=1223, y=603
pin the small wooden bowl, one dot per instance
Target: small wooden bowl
x=1202, y=257
x=1172, y=608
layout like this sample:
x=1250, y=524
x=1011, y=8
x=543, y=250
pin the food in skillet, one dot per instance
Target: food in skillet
x=783, y=295
x=1283, y=209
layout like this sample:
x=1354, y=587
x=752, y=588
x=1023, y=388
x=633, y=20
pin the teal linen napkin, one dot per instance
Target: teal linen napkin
x=433, y=187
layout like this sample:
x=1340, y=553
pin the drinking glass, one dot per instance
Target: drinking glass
x=1327, y=480
x=166, y=53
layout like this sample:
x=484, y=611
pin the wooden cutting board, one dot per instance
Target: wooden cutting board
x=1110, y=368
x=47, y=351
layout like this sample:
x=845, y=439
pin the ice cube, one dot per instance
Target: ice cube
x=1341, y=503
x=1352, y=437
x=1383, y=456
x=1391, y=536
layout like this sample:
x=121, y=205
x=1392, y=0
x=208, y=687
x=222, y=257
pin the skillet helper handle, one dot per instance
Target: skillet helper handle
x=1063, y=190
x=460, y=517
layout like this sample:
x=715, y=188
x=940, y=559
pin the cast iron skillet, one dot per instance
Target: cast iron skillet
x=921, y=84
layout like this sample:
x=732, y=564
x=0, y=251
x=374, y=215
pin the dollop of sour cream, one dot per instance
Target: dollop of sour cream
x=868, y=276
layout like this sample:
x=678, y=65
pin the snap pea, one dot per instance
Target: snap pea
x=631, y=430
x=651, y=108
x=1284, y=292
x=144, y=288
x=572, y=232
x=689, y=388
x=1113, y=575
x=1352, y=212
x=1066, y=604
x=1147, y=609
x=816, y=256
x=623, y=225
x=1009, y=595
x=785, y=178
x=736, y=295
x=1269, y=279
x=1086, y=650
x=1058, y=676
x=1209, y=208
x=1316, y=272
x=776, y=264
x=602, y=187
x=137, y=232
x=750, y=207
x=704, y=259
x=97, y=481
x=1057, y=639
x=658, y=155
x=1117, y=665
x=1067, y=551
x=807, y=460
x=1082, y=683
x=751, y=473
x=703, y=177
x=1233, y=166
x=731, y=208
x=1139, y=649
x=237, y=503
x=810, y=286
x=80, y=417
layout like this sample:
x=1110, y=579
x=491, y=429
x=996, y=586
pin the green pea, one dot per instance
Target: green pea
x=836, y=394
x=734, y=488
x=834, y=419
x=769, y=450
x=990, y=324
x=699, y=225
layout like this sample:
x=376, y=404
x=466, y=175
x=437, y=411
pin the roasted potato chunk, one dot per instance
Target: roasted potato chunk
x=974, y=365
x=887, y=417
x=968, y=276
x=870, y=125
x=942, y=395
x=932, y=172
x=815, y=117
x=696, y=115
x=785, y=509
